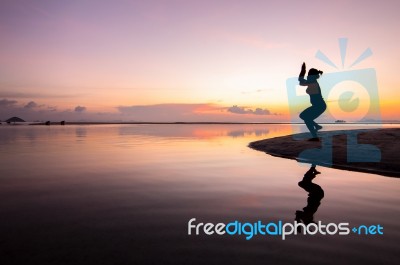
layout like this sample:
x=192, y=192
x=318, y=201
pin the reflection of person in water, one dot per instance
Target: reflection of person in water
x=318, y=105
x=315, y=195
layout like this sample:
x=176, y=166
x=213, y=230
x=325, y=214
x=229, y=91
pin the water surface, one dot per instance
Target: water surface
x=123, y=194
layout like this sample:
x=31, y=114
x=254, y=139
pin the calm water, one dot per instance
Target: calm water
x=123, y=194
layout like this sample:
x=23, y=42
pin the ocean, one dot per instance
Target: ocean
x=124, y=194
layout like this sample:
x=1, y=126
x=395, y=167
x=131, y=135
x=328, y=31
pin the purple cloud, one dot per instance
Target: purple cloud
x=242, y=110
x=80, y=109
x=31, y=105
x=7, y=103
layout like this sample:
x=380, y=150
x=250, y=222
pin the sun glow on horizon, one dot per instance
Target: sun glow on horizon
x=115, y=55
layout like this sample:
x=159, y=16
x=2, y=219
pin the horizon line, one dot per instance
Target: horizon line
x=200, y=122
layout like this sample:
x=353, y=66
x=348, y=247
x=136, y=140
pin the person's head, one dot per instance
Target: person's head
x=314, y=73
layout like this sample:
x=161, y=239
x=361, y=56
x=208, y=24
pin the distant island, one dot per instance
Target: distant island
x=14, y=120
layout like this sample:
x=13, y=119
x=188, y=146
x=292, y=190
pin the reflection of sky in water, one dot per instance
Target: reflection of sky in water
x=80, y=132
x=195, y=131
x=132, y=188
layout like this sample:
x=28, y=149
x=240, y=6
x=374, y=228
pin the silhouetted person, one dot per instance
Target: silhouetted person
x=315, y=195
x=318, y=105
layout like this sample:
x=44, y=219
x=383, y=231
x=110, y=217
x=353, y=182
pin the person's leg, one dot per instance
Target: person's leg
x=306, y=116
x=317, y=126
x=311, y=128
x=317, y=110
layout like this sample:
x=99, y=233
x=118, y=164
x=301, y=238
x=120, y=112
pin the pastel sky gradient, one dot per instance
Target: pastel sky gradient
x=182, y=60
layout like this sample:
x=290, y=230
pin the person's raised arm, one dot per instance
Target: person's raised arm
x=302, y=81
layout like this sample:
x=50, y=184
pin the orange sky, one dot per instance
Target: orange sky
x=183, y=60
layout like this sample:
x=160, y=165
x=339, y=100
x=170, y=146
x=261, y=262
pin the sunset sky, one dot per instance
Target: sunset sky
x=99, y=60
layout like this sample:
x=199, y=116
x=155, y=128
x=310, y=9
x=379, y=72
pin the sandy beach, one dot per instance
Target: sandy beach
x=362, y=145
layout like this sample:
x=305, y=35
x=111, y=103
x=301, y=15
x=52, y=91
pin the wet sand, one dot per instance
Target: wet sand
x=373, y=151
